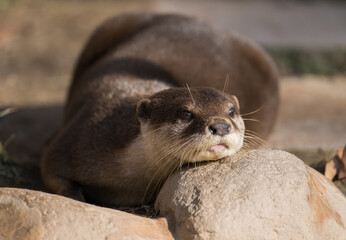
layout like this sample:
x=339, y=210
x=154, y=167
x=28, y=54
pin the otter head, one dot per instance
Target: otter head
x=180, y=126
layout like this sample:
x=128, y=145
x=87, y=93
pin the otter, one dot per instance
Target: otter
x=146, y=98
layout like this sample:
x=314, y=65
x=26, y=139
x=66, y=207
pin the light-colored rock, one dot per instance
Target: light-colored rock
x=31, y=215
x=260, y=194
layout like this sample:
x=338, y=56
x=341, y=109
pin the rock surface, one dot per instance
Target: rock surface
x=31, y=215
x=261, y=194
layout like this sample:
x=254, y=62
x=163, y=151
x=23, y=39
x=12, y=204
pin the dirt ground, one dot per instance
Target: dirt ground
x=39, y=43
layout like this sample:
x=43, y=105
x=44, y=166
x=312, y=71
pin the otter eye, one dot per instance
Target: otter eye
x=232, y=112
x=186, y=115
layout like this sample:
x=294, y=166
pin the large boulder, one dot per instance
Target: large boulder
x=31, y=215
x=259, y=194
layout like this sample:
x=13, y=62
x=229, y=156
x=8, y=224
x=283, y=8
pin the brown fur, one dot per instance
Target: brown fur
x=129, y=58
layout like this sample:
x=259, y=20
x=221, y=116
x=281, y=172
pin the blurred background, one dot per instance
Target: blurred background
x=40, y=41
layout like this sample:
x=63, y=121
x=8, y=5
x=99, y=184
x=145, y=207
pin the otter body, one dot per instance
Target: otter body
x=129, y=121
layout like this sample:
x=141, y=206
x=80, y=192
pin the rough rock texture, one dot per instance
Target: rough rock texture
x=261, y=194
x=32, y=215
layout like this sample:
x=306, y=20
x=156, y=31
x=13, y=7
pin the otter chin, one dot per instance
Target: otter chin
x=129, y=122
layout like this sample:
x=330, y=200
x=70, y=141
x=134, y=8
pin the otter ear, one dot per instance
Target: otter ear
x=144, y=109
x=236, y=101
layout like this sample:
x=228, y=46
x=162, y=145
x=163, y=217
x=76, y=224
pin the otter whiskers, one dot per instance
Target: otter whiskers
x=252, y=141
x=168, y=164
x=225, y=86
x=255, y=111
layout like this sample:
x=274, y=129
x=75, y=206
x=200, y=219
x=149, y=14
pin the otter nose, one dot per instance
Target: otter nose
x=219, y=129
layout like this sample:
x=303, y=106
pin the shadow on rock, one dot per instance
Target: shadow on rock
x=23, y=134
